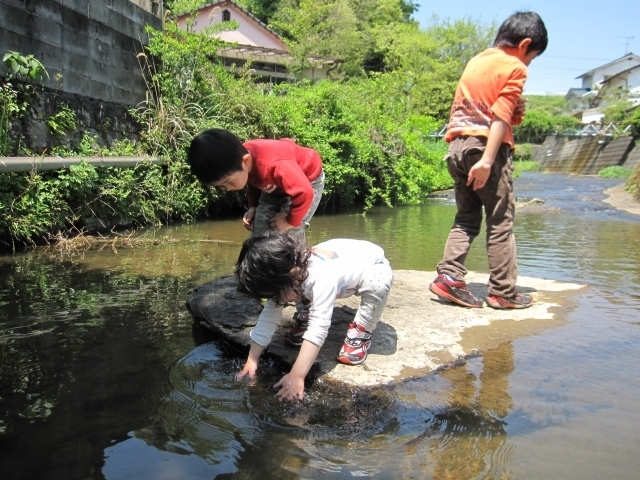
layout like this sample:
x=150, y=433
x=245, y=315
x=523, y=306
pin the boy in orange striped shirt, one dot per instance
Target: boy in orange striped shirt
x=486, y=104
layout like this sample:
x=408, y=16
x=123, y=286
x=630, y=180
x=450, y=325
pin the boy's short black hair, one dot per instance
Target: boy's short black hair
x=265, y=264
x=523, y=25
x=214, y=154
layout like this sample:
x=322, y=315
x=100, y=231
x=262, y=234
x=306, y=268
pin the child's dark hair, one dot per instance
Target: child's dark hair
x=265, y=267
x=523, y=25
x=214, y=154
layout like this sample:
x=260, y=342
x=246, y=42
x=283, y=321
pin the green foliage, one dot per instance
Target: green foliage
x=545, y=115
x=633, y=184
x=553, y=105
x=526, y=166
x=10, y=108
x=363, y=128
x=24, y=67
x=14, y=99
x=524, y=152
x=616, y=104
x=371, y=122
x=615, y=172
x=537, y=124
x=63, y=121
x=633, y=119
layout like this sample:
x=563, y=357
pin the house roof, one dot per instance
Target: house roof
x=245, y=48
x=252, y=51
x=626, y=56
x=231, y=3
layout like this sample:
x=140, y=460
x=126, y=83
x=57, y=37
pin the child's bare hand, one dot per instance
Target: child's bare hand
x=248, y=371
x=290, y=388
x=279, y=222
x=247, y=219
x=479, y=174
x=521, y=107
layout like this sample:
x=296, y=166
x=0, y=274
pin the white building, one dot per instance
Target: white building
x=621, y=74
x=253, y=41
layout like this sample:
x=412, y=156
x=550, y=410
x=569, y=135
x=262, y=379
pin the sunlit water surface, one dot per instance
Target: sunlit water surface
x=103, y=375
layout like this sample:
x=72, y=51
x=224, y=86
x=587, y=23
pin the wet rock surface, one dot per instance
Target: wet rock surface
x=418, y=332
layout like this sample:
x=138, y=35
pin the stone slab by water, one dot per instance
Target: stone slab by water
x=418, y=333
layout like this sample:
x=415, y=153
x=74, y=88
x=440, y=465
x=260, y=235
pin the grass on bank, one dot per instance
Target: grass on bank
x=615, y=172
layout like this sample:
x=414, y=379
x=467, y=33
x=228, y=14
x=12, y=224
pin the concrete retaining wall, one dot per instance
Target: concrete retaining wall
x=585, y=155
x=633, y=158
x=103, y=122
x=88, y=47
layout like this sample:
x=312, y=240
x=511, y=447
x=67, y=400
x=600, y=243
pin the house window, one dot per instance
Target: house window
x=226, y=15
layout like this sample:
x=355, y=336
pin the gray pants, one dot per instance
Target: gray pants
x=373, y=291
x=271, y=204
x=498, y=201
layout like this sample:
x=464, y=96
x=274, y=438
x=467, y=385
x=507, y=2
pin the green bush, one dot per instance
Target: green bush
x=523, y=152
x=615, y=172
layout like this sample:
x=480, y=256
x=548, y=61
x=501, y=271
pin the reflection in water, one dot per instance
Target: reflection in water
x=467, y=437
x=103, y=376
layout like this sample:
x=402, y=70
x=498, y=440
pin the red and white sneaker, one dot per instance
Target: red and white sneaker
x=294, y=336
x=355, y=346
x=455, y=291
x=519, y=300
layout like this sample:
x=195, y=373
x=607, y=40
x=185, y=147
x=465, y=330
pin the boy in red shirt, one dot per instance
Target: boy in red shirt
x=285, y=181
x=486, y=105
x=285, y=184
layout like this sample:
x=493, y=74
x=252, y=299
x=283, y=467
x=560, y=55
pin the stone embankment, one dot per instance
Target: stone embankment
x=586, y=155
x=417, y=334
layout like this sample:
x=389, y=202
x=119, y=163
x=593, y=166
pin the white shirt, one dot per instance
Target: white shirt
x=331, y=276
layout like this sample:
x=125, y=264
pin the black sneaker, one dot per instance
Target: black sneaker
x=294, y=336
x=454, y=291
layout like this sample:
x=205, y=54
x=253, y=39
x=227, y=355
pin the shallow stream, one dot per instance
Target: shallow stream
x=102, y=374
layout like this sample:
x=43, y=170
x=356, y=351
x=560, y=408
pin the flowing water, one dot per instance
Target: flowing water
x=102, y=374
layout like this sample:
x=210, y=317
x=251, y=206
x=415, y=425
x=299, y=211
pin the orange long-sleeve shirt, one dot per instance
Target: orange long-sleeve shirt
x=489, y=87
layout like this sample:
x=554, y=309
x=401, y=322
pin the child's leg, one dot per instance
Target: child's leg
x=499, y=203
x=463, y=154
x=318, y=188
x=374, y=292
x=295, y=333
x=268, y=206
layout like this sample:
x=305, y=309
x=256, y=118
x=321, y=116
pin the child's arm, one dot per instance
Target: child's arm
x=479, y=173
x=293, y=181
x=251, y=365
x=247, y=219
x=279, y=222
x=263, y=333
x=292, y=384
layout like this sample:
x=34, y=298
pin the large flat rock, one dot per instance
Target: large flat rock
x=418, y=332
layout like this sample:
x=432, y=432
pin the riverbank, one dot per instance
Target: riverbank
x=619, y=198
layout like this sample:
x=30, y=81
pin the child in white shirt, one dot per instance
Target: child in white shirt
x=279, y=267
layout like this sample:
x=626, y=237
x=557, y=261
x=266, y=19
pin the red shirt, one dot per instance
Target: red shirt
x=282, y=166
x=491, y=85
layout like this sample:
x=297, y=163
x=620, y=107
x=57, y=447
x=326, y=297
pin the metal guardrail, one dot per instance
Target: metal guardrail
x=28, y=164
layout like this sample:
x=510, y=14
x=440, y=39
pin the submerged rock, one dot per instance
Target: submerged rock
x=418, y=332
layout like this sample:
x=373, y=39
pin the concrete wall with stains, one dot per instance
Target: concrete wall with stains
x=586, y=155
x=88, y=47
